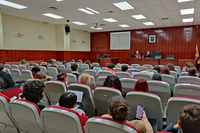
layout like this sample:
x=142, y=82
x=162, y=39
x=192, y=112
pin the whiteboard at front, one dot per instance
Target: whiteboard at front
x=120, y=40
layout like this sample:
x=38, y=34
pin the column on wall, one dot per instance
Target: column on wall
x=1, y=31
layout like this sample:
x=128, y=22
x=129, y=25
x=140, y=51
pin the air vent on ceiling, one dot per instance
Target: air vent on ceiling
x=110, y=12
x=102, y=24
x=164, y=18
x=53, y=8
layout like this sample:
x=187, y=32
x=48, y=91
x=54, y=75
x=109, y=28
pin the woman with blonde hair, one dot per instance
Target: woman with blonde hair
x=85, y=79
x=118, y=65
x=23, y=62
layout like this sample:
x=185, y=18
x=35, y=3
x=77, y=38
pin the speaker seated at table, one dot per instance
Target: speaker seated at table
x=133, y=55
x=106, y=56
x=149, y=55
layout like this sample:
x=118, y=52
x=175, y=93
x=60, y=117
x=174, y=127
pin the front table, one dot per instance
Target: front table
x=143, y=61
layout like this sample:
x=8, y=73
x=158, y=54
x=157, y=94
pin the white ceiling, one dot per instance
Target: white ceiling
x=153, y=10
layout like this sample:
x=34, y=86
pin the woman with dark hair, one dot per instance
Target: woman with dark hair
x=113, y=81
x=1, y=85
x=23, y=62
x=119, y=110
x=110, y=68
x=35, y=69
x=62, y=77
x=192, y=72
x=165, y=70
x=42, y=76
x=141, y=85
x=157, y=68
x=89, y=63
x=171, y=67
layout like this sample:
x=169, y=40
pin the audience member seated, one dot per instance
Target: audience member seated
x=96, y=67
x=119, y=111
x=137, y=54
x=113, y=81
x=118, y=65
x=157, y=68
x=188, y=65
x=44, y=64
x=56, y=66
x=42, y=76
x=8, y=81
x=50, y=62
x=68, y=100
x=142, y=70
x=165, y=70
x=35, y=69
x=89, y=63
x=1, y=85
x=54, y=61
x=85, y=78
x=171, y=67
x=124, y=68
x=79, y=60
x=192, y=72
x=157, y=76
x=64, y=63
x=110, y=68
x=189, y=120
x=33, y=91
x=23, y=62
x=148, y=55
x=32, y=64
x=62, y=77
x=72, y=60
x=74, y=68
x=141, y=85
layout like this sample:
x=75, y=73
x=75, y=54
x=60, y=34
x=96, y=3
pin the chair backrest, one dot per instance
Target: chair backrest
x=69, y=121
x=21, y=67
x=160, y=88
x=105, y=73
x=104, y=68
x=122, y=74
x=68, y=69
x=30, y=67
x=93, y=83
x=187, y=89
x=189, y=79
x=7, y=70
x=16, y=74
x=174, y=74
x=62, y=68
x=117, y=69
x=154, y=71
x=130, y=67
x=147, y=66
x=92, y=72
x=108, y=125
x=101, y=80
x=135, y=65
x=14, y=67
x=95, y=63
x=142, y=76
x=170, y=57
x=169, y=79
x=184, y=74
x=151, y=102
x=72, y=78
x=26, y=115
x=53, y=72
x=175, y=104
x=139, y=67
x=26, y=74
x=43, y=69
x=88, y=100
x=54, y=89
x=128, y=84
x=101, y=97
x=7, y=66
x=158, y=55
x=84, y=67
x=178, y=67
x=7, y=125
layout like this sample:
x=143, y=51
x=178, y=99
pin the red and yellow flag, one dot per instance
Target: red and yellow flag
x=197, y=52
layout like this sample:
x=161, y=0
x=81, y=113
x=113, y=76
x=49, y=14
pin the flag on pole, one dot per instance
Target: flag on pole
x=197, y=53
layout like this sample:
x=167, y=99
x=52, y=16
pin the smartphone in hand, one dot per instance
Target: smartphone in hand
x=139, y=112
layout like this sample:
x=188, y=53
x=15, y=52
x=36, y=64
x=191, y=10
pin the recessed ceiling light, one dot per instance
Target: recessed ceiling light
x=187, y=11
x=11, y=4
x=59, y=0
x=53, y=16
x=139, y=16
x=88, y=10
x=148, y=23
x=79, y=23
x=92, y=10
x=179, y=1
x=124, y=25
x=110, y=20
x=188, y=20
x=123, y=5
x=97, y=28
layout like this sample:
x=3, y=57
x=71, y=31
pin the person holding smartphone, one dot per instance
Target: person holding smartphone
x=119, y=110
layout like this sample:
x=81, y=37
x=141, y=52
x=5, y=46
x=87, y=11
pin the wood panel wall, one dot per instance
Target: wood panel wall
x=177, y=41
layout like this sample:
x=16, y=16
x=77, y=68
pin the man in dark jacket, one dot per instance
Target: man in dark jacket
x=8, y=81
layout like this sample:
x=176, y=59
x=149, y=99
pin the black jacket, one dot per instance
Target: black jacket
x=8, y=81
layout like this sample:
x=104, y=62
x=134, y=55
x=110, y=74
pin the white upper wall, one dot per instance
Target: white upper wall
x=1, y=32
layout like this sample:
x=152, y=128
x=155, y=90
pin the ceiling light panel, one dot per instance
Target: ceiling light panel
x=123, y=5
x=139, y=16
x=180, y=1
x=11, y=4
x=79, y=23
x=92, y=10
x=148, y=23
x=124, y=25
x=110, y=20
x=59, y=0
x=53, y=16
x=186, y=20
x=88, y=10
x=187, y=11
x=97, y=28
